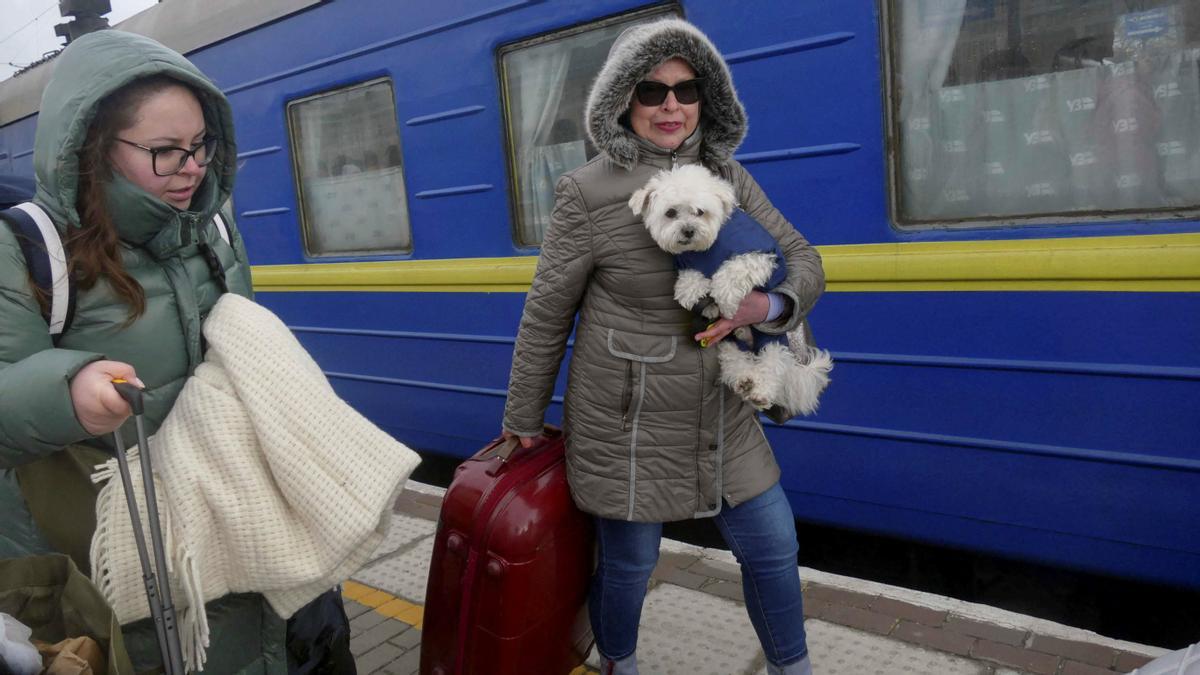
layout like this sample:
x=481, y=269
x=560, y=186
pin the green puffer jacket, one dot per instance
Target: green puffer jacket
x=40, y=438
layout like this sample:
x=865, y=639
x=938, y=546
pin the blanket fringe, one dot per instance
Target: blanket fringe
x=102, y=573
x=193, y=627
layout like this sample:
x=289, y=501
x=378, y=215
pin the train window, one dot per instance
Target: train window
x=1021, y=108
x=346, y=150
x=546, y=81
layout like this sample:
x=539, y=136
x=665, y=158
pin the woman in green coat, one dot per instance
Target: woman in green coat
x=134, y=157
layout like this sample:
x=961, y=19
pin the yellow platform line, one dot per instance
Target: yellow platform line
x=385, y=603
x=402, y=610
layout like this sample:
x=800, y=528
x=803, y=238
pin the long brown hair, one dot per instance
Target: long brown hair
x=94, y=250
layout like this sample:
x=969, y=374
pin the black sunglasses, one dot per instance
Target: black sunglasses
x=650, y=93
x=168, y=160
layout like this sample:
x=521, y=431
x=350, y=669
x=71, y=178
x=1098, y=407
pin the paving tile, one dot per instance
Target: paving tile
x=408, y=664
x=1127, y=661
x=838, y=650
x=1077, y=668
x=404, y=575
x=679, y=577
x=936, y=638
x=377, y=635
x=725, y=589
x=425, y=497
x=354, y=609
x=404, y=530
x=1001, y=634
x=718, y=570
x=364, y=622
x=1034, y=662
x=377, y=658
x=423, y=512
x=815, y=610
x=677, y=560
x=719, y=638
x=863, y=619
x=408, y=639
x=1079, y=651
x=904, y=610
x=837, y=596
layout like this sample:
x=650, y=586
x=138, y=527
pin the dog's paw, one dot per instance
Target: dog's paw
x=691, y=286
x=748, y=389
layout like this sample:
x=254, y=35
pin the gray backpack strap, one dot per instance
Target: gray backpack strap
x=46, y=260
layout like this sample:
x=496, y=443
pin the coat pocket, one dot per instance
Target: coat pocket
x=641, y=348
x=640, y=354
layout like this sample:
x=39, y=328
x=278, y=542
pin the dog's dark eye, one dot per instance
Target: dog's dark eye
x=671, y=213
x=699, y=212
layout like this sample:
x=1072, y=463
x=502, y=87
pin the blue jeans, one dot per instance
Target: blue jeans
x=762, y=535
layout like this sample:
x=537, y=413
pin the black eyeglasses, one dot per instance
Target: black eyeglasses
x=650, y=93
x=168, y=160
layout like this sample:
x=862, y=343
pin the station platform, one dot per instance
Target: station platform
x=694, y=621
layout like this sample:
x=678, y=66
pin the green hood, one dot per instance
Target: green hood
x=90, y=69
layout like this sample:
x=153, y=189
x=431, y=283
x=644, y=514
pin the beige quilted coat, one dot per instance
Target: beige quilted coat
x=652, y=436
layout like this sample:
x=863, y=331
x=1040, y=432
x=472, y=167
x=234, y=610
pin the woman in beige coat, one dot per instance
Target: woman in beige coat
x=652, y=436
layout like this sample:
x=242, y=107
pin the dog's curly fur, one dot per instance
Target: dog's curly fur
x=684, y=210
x=635, y=53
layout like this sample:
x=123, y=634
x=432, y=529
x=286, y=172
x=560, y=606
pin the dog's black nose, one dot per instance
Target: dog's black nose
x=689, y=232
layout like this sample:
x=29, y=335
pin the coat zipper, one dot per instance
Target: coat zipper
x=674, y=157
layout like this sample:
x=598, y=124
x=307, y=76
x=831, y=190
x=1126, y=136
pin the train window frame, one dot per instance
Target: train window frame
x=294, y=141
x=518, y=226
x=890, y=41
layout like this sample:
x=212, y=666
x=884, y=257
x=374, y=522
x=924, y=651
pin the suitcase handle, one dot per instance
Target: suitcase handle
x=504, y=448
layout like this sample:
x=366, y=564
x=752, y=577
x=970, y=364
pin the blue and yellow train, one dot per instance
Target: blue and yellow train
x=1006, y=195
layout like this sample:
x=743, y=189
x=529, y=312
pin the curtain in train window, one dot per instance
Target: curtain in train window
x=546, y=83
x=346, y=149
x=1035, y=107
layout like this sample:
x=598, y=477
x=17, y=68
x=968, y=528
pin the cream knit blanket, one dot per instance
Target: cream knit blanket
x=266, y=480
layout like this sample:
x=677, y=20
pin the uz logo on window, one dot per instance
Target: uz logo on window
x=951, y=96
x=1167, y=90
x=1036, y=137
x=1037, y=84
x=1129, y=180
x=1039, y=190
x=1125, y=125
x=1083, y=158
x=1171, y=148
x=1081, y=104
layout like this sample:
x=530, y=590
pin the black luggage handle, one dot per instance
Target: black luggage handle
x=158, y=586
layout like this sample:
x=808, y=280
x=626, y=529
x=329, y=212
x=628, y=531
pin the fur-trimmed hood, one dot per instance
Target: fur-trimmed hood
x=637, y=51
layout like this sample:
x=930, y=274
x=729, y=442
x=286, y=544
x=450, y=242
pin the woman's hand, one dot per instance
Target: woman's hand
x=98, y=406
x=754, y=309
x=526, y=441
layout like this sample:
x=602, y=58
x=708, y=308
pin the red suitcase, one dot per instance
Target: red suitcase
x=511, y=563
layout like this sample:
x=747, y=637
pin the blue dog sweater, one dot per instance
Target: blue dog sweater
x=741, y=234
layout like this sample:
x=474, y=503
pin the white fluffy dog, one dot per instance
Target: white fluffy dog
x=723, y=254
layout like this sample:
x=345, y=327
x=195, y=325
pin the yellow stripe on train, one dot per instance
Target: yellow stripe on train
x=1161, y=263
